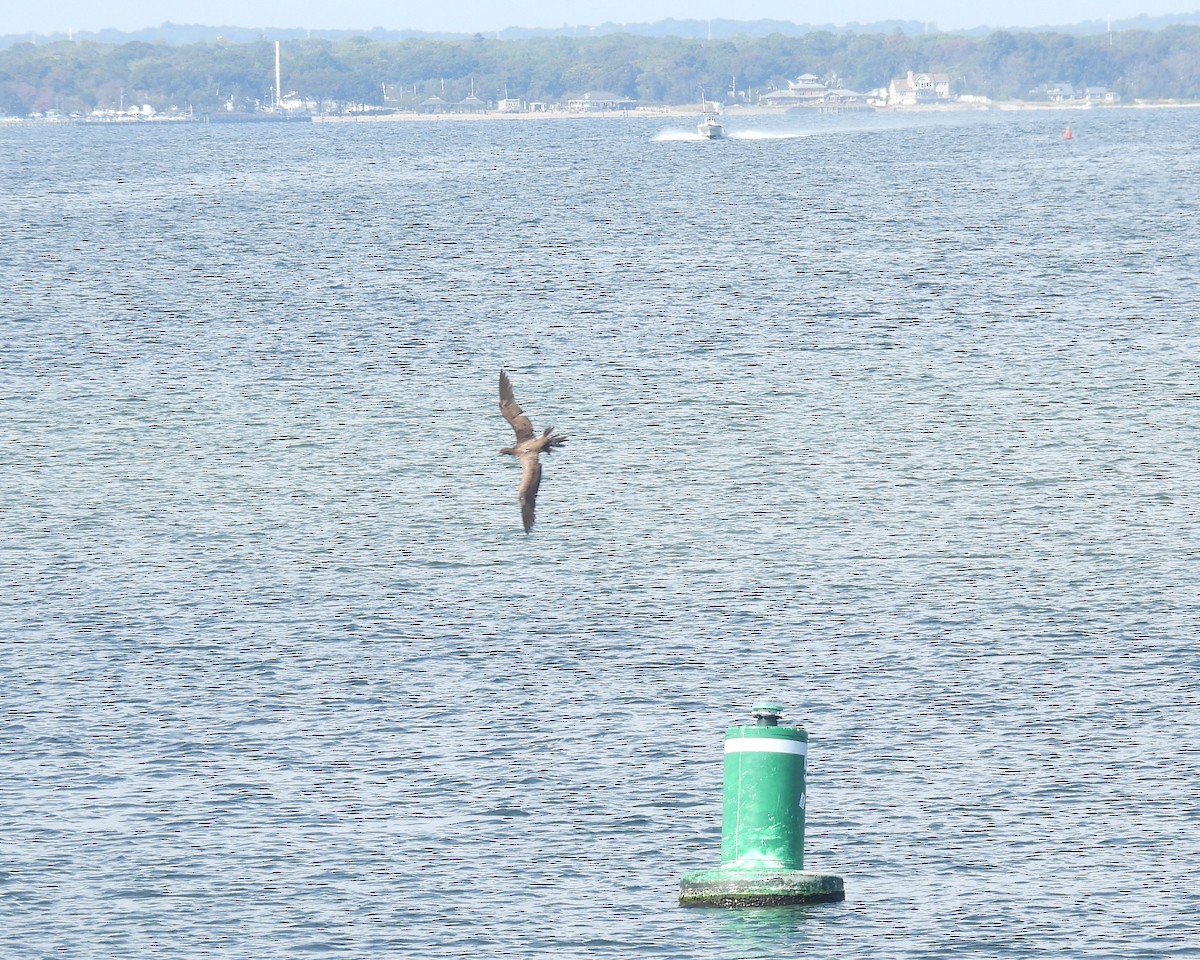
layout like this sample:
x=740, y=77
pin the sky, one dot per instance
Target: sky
x=469, y=16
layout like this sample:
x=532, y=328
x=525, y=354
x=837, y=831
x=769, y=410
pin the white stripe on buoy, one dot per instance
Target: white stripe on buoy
x=766, y=745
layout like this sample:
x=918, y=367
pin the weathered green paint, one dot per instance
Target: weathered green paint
x=763, y=807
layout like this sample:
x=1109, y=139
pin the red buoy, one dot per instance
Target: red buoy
x=1067, y=134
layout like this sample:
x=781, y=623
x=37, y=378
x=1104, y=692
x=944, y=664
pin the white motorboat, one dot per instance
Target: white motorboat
x=711, y=129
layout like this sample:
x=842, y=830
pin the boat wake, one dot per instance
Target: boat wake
x=765, y=135
x=674, y=136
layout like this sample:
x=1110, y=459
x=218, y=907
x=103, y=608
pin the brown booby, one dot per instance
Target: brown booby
x=527, y=448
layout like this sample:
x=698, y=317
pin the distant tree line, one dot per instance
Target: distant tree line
x=210, y=76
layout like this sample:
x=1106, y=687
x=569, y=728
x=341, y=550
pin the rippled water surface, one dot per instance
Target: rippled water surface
x=892, y=420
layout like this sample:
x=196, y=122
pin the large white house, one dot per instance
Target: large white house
x=919, y=88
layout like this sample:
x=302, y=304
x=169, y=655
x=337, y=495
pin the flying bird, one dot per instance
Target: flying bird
x=527, y=448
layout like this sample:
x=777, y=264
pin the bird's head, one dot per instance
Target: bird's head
x=507, y=450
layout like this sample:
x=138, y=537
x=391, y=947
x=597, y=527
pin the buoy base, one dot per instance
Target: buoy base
x=758, y=888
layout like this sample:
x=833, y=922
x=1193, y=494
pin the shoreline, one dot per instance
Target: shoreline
x=651, y=113
x=641, y=113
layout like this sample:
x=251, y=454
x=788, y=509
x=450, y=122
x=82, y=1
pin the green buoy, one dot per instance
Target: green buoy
x=762, y=824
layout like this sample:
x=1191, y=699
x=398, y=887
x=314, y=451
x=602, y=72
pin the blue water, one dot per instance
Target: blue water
x=890, y=419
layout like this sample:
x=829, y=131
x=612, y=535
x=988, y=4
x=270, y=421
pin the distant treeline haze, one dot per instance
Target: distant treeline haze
x=83, y=76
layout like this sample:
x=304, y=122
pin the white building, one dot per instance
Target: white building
x=918, y=88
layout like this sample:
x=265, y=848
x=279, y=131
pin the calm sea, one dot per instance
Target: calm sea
x=894, y=420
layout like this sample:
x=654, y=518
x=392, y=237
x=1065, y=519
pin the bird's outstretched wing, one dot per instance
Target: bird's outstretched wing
x=531, y=479
x=514, y=415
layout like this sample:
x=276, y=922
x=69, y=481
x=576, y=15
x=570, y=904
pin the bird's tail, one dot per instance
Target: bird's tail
x=550, y=440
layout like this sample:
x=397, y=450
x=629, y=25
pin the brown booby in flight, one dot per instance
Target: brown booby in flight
x=527, y=448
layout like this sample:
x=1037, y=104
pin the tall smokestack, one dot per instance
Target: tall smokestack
x=278, y=91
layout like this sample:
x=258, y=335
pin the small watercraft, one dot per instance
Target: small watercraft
x=711, y=129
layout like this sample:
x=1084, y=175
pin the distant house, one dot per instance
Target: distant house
x=511, y=105
x=808, y=92
x=433, y=105
x=1060, y=91
x=805, y=90
x=1100, y=95
x=600, y=102
x=840, y=98
x=471, y=104
x=918, y=88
